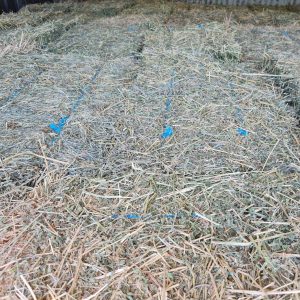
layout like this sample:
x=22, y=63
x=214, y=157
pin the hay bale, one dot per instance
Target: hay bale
x=109, y=208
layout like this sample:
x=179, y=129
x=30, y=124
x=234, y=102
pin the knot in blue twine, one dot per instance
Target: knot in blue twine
x=242, y=132
x=167, y=132
x=57, y=128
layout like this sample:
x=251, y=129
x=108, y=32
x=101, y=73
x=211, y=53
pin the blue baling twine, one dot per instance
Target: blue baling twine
x=58, y=127
x=242, y=132
x=168, y=130
x=170, y=216
x=200, y=26
x=14, y=94
x=286, y=34
x=239, y=116
x=132, y=28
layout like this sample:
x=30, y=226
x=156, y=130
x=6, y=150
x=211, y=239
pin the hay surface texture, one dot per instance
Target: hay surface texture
x=109, y=209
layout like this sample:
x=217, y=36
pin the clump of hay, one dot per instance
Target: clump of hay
x=28, y=38
x=288, y=86
x=35, y=15
x=221, y=42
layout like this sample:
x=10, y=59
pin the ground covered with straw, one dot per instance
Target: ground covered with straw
x=171, y=169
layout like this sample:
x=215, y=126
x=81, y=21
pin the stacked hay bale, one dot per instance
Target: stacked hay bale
x=109, y=208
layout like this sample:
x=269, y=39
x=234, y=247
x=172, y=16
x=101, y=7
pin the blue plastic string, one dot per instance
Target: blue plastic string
x=168, y=104
x=127, y=216
x=169, y=216
x=58, y=127
x=288, y=35
x=285, y=33
x=200, y=26
x=132, y=28
x=167, y=129
x=242, y=132
x=239, y=116
x=14, y=94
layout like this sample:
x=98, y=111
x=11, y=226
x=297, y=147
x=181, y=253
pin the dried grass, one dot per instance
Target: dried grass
x=236, y=198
